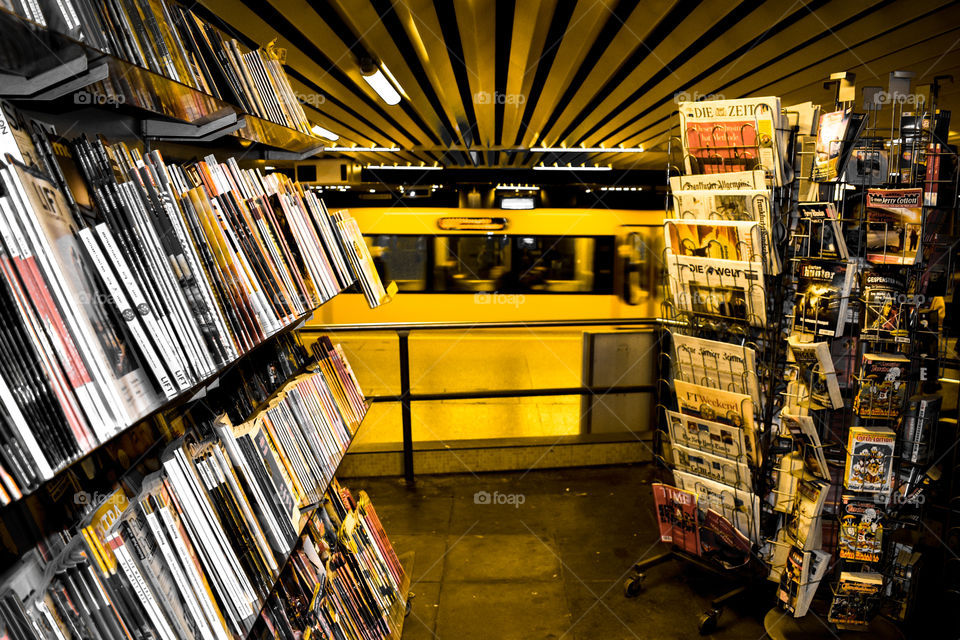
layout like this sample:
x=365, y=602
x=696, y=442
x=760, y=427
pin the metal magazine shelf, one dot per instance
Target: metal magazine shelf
x=51, y=65
x=52, y=506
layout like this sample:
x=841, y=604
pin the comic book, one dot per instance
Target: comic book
x=869, y=467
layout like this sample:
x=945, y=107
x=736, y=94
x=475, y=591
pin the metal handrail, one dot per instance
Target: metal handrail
x=517, y=393
x=533, y=324
x=406, y=397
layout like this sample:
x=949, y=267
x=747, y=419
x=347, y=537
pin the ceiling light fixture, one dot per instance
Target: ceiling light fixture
x=541, y=167
x=362, y=149
x=504, y=187
x=586, y=149
x=378, y=81
x=402, y=166
x=324, y=133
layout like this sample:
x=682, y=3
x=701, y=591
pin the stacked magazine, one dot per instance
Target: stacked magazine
x=196, y=548
x=126, y=282
x=719, y=245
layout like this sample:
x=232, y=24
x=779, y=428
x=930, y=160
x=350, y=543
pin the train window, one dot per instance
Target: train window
x=402, y=259
x=503, y=263
x=470, y=263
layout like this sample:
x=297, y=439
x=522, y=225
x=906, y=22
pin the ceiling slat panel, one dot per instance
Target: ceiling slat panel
x=338, y=48
x=531, y=23
x=477, y=23
x=816, y=62
x=377, y=40
x=631, y=36
x=700, y=20
x=590, y=72
x=825, y=19
x=423, y=29
x=738, y=35
x=588, y=19
x=254, y=27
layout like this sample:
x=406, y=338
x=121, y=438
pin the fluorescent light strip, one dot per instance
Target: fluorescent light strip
x=324, y=133
x=587, y=149
x=503, y=187
x=362, y=149
x=379, y=83
x=402, y=166
x=541, y=167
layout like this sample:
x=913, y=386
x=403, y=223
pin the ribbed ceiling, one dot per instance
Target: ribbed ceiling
x=485, y=77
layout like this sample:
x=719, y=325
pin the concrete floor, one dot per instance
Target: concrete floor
x=548, y=562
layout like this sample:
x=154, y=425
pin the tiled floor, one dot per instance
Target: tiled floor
x=547, y=562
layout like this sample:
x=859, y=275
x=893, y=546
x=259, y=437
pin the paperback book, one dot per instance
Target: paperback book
x=815, y=371
x=818, y=233
x=845, y=351
x=886, y=308
x=855, y=599
x=917, y=428
x=868, y=165
x=838, y=131
x=803, y=521
x=800, y=578
x=803, y=432
x=894, y=225
x=823, y=292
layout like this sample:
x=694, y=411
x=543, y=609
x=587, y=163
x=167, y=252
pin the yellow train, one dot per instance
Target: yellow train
x=488, y=265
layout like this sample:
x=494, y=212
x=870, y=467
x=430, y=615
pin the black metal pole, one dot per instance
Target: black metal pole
x=405, y=416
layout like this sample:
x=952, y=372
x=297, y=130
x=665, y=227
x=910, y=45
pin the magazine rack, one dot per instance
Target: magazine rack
x=885, y=153
x=739, y=304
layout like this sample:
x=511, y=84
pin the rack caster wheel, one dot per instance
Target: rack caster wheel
x=633, y=585
x=406, y=608
x=708, y=621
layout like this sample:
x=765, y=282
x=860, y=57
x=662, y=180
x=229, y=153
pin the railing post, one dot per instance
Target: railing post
x=405, y=415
